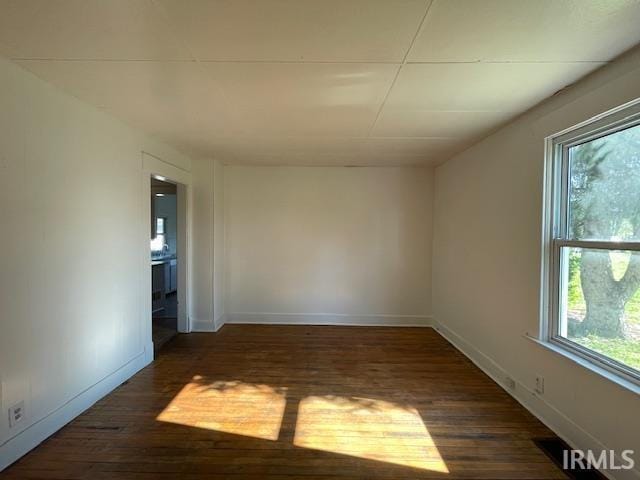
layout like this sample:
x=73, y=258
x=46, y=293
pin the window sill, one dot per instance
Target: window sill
x=589, y=365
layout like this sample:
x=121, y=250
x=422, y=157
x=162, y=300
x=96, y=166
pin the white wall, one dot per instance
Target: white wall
x=219, y=307
x=304, y=241
x=71, y=285
x=487, y=257
x=208, y=245
x=202, y=288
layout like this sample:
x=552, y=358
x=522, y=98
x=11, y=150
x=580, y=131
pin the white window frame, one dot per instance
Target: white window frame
x=556, y=231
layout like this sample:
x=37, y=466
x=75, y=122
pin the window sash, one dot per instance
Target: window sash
x=554, y=334
x=597, y=244
x=603, y=361
x=556, y=230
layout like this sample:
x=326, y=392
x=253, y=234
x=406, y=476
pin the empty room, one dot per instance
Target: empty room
x=319, y=239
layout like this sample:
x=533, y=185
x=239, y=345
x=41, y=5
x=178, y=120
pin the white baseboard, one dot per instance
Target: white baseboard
x=553, y=418
x=329, y=319
x=203, y=326
x=208, y=325
x=220, y=321
x=32, y=436
x=149, y=353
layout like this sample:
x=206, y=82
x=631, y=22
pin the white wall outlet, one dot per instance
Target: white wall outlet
x=16, y=414
x=539, y=384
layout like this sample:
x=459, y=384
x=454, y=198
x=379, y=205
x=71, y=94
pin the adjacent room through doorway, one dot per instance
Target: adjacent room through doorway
x=164, y=261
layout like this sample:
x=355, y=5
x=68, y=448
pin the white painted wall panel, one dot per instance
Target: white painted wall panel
x=218, y=244
x=70, y=271
x=202, y=288
x=352, y=241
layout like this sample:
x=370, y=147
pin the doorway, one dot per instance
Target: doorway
x=164, y=260
x=159, y=176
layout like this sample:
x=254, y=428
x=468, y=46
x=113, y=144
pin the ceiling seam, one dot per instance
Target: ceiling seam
x=404, y=61
x=503, y=62
x=106, y=60
x=310, y=62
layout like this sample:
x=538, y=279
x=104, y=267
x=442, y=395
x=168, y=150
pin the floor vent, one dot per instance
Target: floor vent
x=554, y=448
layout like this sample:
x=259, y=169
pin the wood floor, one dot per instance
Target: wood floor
x=280, y=402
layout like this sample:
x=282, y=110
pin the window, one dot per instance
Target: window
x=592, y=246
x=160, y=224
x=158, y=243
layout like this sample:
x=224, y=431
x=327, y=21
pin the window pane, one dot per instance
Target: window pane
x=604, y=194
x=600, y=302
x=160, y=225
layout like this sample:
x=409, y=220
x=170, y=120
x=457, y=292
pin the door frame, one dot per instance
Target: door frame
x=153, y=166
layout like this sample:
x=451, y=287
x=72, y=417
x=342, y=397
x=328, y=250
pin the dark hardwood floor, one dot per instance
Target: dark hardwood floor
x=284, y=402
x=164, y=324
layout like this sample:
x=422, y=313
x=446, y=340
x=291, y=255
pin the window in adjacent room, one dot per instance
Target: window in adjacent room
x=158, y=243
x=592, y=270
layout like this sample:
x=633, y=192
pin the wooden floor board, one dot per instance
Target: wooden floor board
x=285, y=402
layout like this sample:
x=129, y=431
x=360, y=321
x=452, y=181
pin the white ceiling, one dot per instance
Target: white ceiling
x=316, y=82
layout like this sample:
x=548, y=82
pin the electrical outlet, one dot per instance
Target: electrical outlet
x=539, y=384
x=16, y=414
x=510, y=383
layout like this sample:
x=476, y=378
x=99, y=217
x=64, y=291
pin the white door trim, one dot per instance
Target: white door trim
x=154, y=166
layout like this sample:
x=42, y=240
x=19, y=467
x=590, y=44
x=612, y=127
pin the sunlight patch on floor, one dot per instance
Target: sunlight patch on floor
x=233, y=407
x=366, y=428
